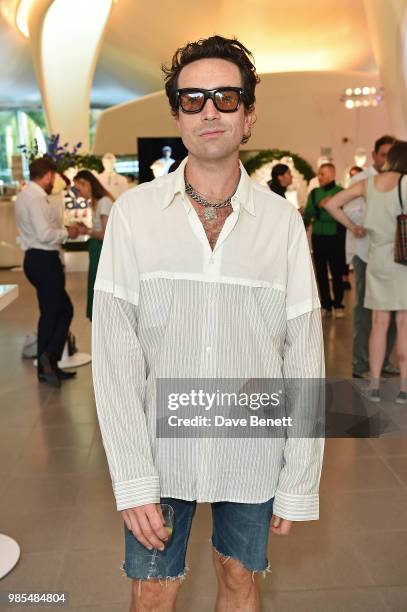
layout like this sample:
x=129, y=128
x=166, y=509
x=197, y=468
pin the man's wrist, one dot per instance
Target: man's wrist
x=137, y=492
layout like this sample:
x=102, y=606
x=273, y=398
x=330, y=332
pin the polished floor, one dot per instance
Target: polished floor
x=56, y=498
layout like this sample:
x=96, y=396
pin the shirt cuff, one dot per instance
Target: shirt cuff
x=294, y=507
x=133, y=493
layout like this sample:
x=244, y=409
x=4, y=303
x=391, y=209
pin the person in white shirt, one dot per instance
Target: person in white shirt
x=204, y=275
x=386, y=279
x=357, y=254
x=101, y=200
x=41, y=236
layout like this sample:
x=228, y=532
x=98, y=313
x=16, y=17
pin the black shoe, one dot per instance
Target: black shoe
x=364, y=375
x=62, y=375
x=47, y=372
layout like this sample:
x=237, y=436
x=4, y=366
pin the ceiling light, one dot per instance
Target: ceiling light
x=362, y=96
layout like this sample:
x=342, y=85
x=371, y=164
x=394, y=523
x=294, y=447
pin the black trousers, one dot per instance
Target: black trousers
x=44, y=270
x=329, y=250
x=341, y=230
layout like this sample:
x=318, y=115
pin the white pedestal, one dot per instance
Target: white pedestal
x=73, y=361
x=9, y=549
x=9, y=554
x=8, y=293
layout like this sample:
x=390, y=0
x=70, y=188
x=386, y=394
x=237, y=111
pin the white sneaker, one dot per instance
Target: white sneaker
x=401, y=398
x=373, y=395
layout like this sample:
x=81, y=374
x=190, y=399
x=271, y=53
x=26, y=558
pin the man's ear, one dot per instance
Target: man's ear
x=250, y=120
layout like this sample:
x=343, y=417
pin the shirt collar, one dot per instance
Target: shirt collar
x=243, y=196
x=38, y=188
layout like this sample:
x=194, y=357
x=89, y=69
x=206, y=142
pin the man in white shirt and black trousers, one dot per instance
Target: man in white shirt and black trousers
x=41, y=238
x=204, y=274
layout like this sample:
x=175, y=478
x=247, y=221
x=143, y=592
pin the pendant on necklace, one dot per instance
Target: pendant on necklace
x=210, y=213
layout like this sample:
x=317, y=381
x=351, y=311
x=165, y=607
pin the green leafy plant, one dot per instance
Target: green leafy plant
x=269, y=155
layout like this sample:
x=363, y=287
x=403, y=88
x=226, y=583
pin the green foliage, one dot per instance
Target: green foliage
x=89, y=162
x=269, y=155
x=37, y=116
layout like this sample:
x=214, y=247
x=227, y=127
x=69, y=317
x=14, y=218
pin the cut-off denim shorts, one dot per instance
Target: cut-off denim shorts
x=239, y=531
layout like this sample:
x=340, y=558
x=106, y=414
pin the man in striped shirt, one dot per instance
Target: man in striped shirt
x=204, y=274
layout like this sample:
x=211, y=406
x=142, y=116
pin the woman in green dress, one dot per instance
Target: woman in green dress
x=92, y=189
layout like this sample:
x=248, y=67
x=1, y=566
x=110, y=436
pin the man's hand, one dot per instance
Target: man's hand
x=324, y=202
x=82, y=229
x=280, y=526
x=358, y=231
x=73, y=231
x=147, y=525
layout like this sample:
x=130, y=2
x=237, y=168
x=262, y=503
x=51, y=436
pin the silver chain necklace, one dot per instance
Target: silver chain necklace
x=210, y=213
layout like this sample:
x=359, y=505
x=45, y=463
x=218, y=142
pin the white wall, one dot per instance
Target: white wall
x=298, y=111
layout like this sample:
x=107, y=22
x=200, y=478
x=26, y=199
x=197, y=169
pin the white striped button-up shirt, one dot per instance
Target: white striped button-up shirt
x=167, y=306
x=38, y=225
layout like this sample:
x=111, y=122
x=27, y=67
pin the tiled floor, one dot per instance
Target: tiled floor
x=56, y=497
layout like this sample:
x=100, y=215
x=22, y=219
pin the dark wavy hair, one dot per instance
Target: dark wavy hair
x=97, y=189
x=397, y=158
x=41, y=166
x=383, y=141
x=218, y=47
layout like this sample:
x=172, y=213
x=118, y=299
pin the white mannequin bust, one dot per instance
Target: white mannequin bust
x=162, y=165
x=109, y=161
x=113, y=182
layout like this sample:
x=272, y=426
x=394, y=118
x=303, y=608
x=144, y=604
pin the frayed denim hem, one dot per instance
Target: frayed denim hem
x=224, y=559
x=163, y=580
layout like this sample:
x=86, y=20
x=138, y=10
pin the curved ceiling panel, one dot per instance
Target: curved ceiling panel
x=293, y=35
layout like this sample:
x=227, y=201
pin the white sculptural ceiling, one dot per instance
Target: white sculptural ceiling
x=294, y=35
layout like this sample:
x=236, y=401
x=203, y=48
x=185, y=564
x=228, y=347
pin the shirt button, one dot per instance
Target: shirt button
x=208, y=349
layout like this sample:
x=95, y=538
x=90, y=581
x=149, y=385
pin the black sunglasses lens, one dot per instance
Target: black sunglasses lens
x=192, y=102
x=227, y=100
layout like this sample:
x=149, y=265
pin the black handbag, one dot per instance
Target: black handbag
x=400, y=243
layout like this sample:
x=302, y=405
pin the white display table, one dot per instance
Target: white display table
x=8, y=293
x=9, y=554
x=9, y=549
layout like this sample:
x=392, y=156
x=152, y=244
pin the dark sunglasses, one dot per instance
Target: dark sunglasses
x=226, y=99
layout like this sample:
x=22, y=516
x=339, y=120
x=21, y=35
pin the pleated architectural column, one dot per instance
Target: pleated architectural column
x=387, y=23
x=66, y=37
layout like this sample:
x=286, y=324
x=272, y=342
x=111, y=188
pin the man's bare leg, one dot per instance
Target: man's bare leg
x=154, y=595
x=238, y=587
